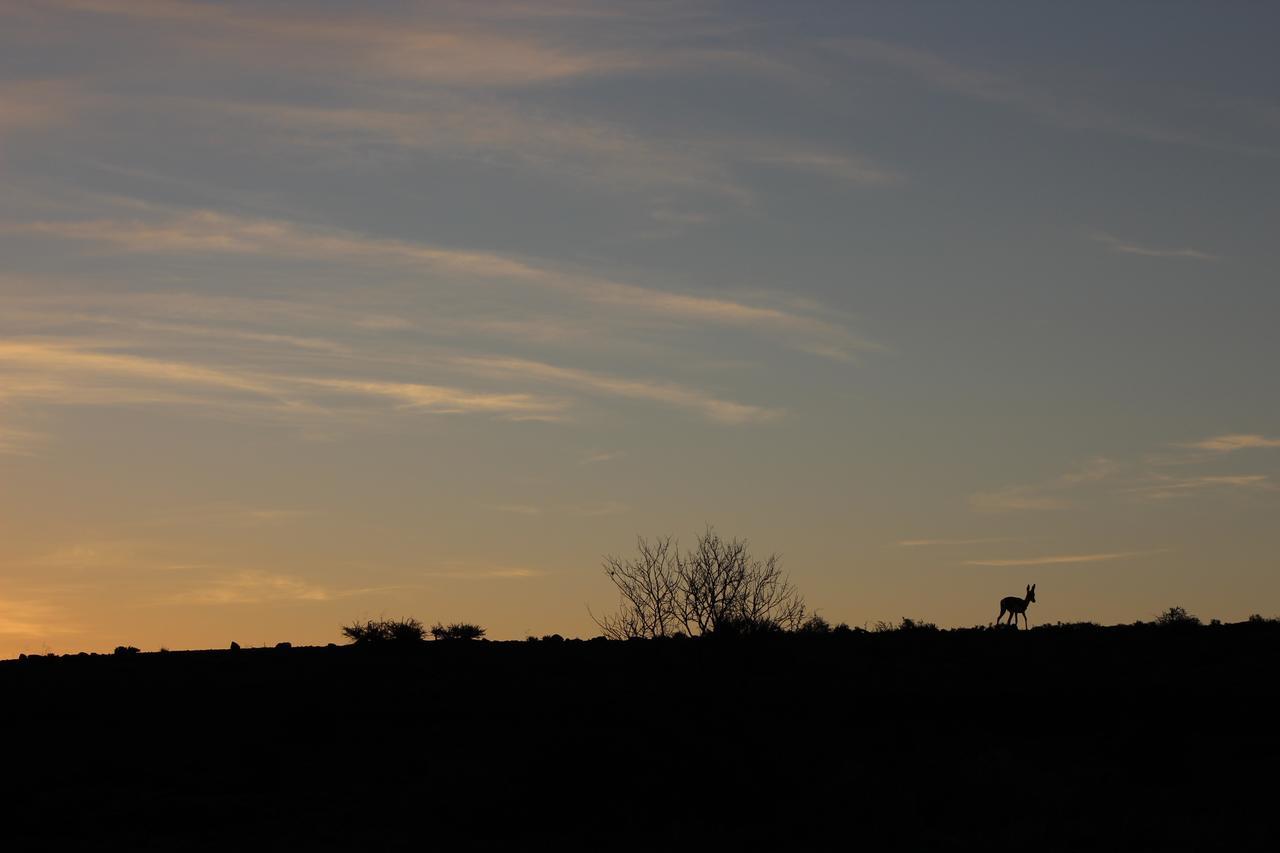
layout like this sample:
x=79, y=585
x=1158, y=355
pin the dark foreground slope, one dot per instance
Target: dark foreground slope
x=1121, y=738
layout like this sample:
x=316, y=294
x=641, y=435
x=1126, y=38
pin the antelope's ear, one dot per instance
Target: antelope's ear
x=1028, y=587
x=1033, y=587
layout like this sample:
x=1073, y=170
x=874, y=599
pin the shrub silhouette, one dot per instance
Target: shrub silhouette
x=815, y=624
x=744, y=627
x=1176, y=617
x=457, y=631
x=377, y=632
x=906, y=624
x=126, y=650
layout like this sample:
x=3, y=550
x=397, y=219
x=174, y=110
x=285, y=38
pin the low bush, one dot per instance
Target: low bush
x=814, y=625
x=1177, y=617
x=906, y=624
x=457, y=631
x=375, y=632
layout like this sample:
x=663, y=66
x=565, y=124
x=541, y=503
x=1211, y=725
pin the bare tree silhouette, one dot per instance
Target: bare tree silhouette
x=649, y=588
x=716, y=587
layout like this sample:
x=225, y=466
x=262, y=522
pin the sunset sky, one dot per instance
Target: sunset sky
x=312, y=311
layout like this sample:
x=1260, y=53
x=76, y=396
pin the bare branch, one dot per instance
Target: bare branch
x=715, y=587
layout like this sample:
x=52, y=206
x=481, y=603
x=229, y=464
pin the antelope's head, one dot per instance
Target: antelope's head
x=1031, y=594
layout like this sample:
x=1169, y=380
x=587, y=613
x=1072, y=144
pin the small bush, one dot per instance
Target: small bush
x=126, y=650
x=744, y=627
x=905, y=625
x=814, y=625
x=376, y=632
x=457, y=631
x=1176, y=617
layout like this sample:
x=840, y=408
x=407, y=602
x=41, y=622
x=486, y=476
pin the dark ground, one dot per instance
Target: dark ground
x=1126, y=738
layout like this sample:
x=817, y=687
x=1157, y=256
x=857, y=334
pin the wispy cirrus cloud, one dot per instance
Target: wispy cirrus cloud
x=445, y=400
x=1016, y=499
x=1050, y=495
x=32, y=618
x=597, y=456
x=475, y=68
x=602, y=154
x=28, y=105
x=1232, y=442
x=576, y=510
x=496, y=573
x=842, y=167
x=1162, y=487
x=14, y=441
x=1145, y=479
x=94, y=555
x=313, y=324
x=62, y=373
x=63, y=359
x=251, y=587
x=516, y=509
x=934, y=543
x=1129, y=248
x=210, y=232
x=442, y=44
x=59, y=373
x=422, y=47
x=712, y=408
x=1065, y=110
x=1063, y=559
x=576, y=148
x=227, y=514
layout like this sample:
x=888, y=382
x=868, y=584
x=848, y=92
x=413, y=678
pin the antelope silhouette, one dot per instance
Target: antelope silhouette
x=1015, y=606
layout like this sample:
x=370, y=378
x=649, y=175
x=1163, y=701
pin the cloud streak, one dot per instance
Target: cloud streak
x=504, y=573
x=410, y=49
x=1127, y=248
x=1050, y=495
x=1168, y=488
x=711, y=408
x=579, y=511
x=574, y=148
x=1233, y=442
x=595, y=457
x=1070, y=112
x=36, y=105
x=16, y=442
x=934, y=543
x=1067, y=559
x=31, y=619
x=63, y=374
x=251, y=587
x=209, y=232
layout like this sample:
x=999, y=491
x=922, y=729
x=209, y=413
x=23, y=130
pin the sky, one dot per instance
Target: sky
x=313, y=312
